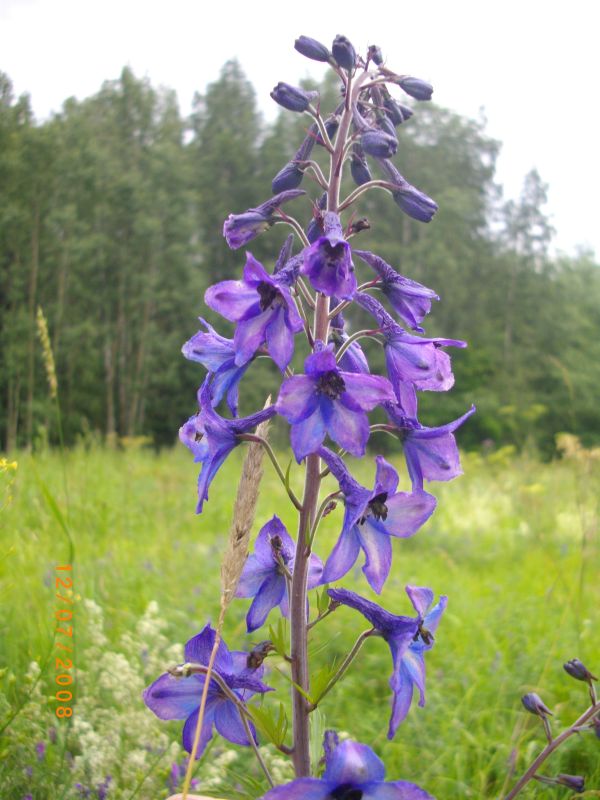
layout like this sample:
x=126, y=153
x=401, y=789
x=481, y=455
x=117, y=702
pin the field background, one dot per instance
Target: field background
x=513, y=543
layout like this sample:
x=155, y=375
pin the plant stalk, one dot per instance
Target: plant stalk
x=550, y=748
x=312, y=484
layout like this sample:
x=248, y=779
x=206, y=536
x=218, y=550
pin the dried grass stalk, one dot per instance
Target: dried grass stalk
x=232, y=565
x=47, y=354
x=246, y=499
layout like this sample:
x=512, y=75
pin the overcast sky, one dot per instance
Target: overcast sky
x=531, y=65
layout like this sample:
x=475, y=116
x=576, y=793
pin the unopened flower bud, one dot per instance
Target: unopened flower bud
x=396, y=111
x=257, y=655
x=312, y=49
x=344, y=52
x=378, y=143
x=359, y=169
x=289, y=177
x=596, y=726
x=415, y=203
x=330, y=741
x=331, y=506
x=374, y=53
x=574, y=782
x=535, y=705
x=386, y=125
x=331, y=125
x=292, y=97
x=579, y=671
x=359, y=225
x=415, y=87
x=315, y=226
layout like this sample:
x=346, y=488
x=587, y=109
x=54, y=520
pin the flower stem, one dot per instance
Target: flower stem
x=294, y=224
x=550, y=748
x=355, y=337
x=251, y=437
x=312, y=484
x=344, y=665
x=194, y=669
x=375, y=184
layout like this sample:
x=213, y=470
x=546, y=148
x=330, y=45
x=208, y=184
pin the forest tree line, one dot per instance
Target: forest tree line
x=111, y=215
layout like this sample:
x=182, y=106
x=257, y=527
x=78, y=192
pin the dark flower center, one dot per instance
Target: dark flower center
x=331, y=384
x=333, y=254
x=268, y=294
x=279, y=553
x=198, y=436
x=376, y=508
x=345, y=792
x=425, y=635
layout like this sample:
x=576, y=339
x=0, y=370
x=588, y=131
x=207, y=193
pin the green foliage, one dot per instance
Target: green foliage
x=513, y=543
x=111, y=218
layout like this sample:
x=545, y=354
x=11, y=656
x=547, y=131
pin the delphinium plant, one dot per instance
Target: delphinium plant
x=300, y=306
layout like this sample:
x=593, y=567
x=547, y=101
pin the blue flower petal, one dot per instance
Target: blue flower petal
x=353, y=763
x=229, y=724
x=189, y=729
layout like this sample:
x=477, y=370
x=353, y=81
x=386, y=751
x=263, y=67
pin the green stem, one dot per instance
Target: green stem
x=251, y=437
x=295, y=225
x=343, y=668
x=550, y=748
x=375, y=184
x=355, y=337
x=319, y=515
x=199, y=669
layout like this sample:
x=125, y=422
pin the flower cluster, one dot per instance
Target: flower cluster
x=327, y=403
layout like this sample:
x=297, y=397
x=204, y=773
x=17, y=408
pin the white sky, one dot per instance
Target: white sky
x=531, y=65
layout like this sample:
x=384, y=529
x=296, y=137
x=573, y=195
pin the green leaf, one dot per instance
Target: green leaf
x=323, y=599
x=272, y=728
x=279, y=637
x=317, y=730
x=320, y=680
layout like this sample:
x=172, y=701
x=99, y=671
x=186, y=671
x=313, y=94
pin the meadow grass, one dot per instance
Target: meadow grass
x=513, y=543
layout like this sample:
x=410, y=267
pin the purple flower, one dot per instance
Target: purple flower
x=329, y=401
x=411, y=359
x=431, y=453
x=352, y=772
x=408, y=640
x=40, y=751
x=264, y=575
x=170, y=697
x=371, y=518
x=409, y=299
x=292, y=97
x=239, y=229
x=217, y=354
x=211, y=437
x=415, y=87
x=102, y=790
x=344, y=53
x=328, y=261
x=264, y=310
x=311, y=48
x=353, y=359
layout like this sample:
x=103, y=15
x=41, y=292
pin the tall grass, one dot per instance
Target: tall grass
x=513, y=543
